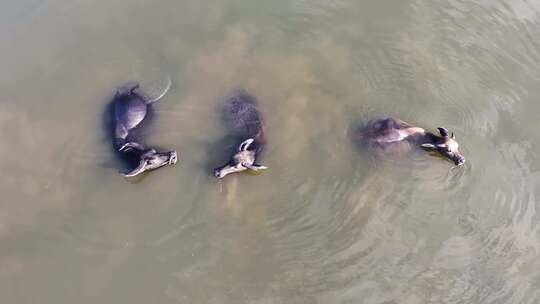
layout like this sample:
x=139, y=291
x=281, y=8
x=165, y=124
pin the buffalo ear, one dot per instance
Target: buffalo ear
x=443, y=131
x=453, y=136
x=428, y=146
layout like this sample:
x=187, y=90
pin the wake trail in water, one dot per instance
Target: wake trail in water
x=165, y=91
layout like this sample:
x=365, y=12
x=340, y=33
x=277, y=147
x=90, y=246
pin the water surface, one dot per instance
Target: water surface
x=327, y=223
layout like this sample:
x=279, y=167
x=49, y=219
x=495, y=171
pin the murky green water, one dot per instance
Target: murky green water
x=326, y=223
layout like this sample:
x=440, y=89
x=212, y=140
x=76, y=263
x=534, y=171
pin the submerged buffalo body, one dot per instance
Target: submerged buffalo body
x=244, y=122
x=394, y=135
x=130, y=109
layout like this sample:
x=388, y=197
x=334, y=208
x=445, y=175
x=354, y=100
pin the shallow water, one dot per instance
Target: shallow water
x=326, y=223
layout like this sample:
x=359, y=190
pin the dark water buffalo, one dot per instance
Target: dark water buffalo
x=130, y=109
x=245, y=123
x=396, y=136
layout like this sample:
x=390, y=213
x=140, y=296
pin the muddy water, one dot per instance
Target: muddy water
x=326, y=223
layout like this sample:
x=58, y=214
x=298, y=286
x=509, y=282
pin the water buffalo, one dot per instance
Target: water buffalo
x=245, y=123
x=130, y=109
x=393, y=135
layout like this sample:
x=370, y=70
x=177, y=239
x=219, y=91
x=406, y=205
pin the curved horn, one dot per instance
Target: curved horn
x=255, y=167
x=140, y=169
x=130, y=146
x=443, y=131
x=245, y=145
